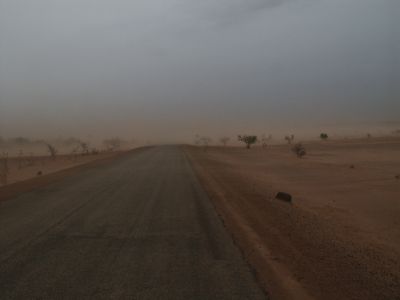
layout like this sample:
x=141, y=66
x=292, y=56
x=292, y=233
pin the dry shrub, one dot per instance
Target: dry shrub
x=299, y=150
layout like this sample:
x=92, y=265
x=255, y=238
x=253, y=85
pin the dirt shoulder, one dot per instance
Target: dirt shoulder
x=26, y=179
x=339, y=239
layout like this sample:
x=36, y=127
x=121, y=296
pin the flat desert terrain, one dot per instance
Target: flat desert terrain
x=339, y=238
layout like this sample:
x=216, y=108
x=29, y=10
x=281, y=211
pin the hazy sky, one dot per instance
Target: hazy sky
x=173, y=68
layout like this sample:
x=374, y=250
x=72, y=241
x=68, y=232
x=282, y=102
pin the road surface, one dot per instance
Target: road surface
x=139, y=227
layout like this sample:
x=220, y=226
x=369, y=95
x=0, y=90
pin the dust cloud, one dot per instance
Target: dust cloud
x=163, y=71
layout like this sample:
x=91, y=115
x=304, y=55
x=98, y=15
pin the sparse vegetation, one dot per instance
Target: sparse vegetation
x=248, y=140
x=23, y=158
x=323, y=136
x=328, y=182
x=299, y=150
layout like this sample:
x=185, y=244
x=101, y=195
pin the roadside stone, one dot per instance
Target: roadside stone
x=284, y=197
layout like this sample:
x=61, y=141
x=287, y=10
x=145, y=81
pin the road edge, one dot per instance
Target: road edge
x=13, y=190
x=273, y=277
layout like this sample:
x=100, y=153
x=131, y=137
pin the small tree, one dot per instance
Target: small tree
x=299, y=150
x=248, y=140
x=224, y=140
x=323, y=136
x=289, y=138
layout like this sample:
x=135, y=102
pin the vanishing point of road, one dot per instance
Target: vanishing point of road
x=138, y=227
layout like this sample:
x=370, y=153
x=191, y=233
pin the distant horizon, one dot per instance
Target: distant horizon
x=381, y=129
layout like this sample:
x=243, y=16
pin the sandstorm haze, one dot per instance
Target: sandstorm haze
x=165, y=70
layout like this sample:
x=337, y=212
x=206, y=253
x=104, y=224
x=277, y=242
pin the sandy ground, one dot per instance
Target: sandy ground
x=23, y=168
x=339, y=239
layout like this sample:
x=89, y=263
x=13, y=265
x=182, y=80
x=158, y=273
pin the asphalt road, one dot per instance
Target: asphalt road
x=139, y=227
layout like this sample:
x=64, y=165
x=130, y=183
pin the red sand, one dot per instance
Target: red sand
x=340, y=239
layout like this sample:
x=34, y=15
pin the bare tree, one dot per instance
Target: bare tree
x=248, y=140
x=289, y=138
x=52, y=151
x=224, y=140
